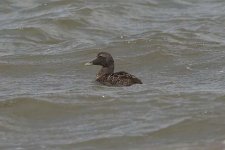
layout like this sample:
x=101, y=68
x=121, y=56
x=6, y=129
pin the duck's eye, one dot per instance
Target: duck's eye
x=100, y=56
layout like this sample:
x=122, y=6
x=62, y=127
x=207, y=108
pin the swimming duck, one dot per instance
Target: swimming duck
x=107, y=76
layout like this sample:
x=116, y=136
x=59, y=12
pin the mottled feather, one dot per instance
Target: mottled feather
x=118, y=79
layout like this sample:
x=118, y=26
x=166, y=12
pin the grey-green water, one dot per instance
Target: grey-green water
x=49, y=100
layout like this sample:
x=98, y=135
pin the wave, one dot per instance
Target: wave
x=31, y=108
x=119, y=139
x=30, y=34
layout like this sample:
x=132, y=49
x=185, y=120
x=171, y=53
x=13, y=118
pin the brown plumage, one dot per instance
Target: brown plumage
x=106, y=74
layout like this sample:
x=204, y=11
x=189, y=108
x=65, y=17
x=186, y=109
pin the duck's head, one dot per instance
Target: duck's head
x=103, y=59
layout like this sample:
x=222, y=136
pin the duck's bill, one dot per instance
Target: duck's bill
x=88, y=64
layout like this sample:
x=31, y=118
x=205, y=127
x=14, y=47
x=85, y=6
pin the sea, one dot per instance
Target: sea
x=49, y=100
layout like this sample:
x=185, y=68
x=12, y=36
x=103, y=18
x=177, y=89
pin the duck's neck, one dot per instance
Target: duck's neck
x=105, y=70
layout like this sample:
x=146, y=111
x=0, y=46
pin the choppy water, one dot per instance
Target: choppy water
x=49, y=100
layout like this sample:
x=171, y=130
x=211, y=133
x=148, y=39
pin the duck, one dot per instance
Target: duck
x=106, y=74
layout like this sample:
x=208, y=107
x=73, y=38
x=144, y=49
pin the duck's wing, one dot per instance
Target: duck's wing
x=129, y=77
x=119, y=79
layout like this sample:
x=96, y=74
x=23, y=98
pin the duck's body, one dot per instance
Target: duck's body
x=118, y=79
x=107, y=76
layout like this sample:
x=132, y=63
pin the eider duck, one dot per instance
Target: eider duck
x=106, y=75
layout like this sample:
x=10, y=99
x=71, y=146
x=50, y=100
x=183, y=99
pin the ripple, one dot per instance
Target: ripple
x=37, y=109
x=49, y=100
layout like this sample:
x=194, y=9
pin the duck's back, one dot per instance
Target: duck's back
x=118, y=79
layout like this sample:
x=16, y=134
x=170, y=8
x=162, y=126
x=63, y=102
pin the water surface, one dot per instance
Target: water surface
x=49, y=99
